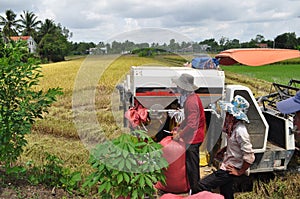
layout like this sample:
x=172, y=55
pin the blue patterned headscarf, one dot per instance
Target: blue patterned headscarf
x=238, y=107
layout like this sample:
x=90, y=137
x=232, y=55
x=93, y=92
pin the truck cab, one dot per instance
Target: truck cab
x=270, y=134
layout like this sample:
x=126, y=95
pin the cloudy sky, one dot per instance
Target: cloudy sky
x=158, y=20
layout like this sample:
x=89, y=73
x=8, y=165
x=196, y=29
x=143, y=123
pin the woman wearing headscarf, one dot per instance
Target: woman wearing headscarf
x=238, y=155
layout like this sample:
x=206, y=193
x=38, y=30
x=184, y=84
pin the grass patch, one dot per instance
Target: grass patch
x=279, y=73
x=283, y=185
x=72, y=152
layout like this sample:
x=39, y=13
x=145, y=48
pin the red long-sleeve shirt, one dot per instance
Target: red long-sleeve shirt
x=194, y=125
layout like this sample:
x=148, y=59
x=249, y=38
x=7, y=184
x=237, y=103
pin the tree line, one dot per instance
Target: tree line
x=287, y=40
x=53, y=40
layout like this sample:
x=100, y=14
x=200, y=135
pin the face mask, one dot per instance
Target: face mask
x=182, y=97
x=228, y=124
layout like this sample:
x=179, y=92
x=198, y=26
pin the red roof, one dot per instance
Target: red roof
x=256, y=56
x=16, y=38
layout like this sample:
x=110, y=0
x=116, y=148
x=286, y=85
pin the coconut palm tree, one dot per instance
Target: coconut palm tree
x=47, y=27
x=29, y=23
x=10, y=24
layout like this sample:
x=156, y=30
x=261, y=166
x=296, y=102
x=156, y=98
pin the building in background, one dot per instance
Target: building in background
x=30, y=41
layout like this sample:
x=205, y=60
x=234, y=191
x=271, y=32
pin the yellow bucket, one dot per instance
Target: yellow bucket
x=204, y=158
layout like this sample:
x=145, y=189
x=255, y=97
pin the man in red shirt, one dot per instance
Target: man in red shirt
x=192, y=129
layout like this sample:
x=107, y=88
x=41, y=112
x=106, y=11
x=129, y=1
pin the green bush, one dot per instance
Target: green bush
x=20, y=104
x=127, y=166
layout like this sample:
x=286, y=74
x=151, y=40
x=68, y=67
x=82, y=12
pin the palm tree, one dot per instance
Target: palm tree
x=29, y=23
x=47, y=27
x=9, y=23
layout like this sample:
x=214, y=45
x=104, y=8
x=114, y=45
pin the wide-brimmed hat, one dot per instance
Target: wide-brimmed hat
x=186, y=82
x=290, y=105
x=238, y=107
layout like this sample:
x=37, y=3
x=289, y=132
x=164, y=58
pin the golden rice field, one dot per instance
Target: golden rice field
x=57, y=133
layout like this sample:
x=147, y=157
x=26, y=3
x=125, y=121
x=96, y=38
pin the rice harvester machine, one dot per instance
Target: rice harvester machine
x=151, y=89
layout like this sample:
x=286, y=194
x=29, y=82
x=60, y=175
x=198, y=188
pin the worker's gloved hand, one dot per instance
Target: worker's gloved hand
x=175, y=129
x=176, y=136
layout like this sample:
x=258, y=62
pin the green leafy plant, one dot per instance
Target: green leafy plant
x=20, y=104
x=51, y=173
x=70, y=180
x=127, y=166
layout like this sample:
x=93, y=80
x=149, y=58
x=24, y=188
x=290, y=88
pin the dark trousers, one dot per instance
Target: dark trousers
x=192, y=165
x=221, y=179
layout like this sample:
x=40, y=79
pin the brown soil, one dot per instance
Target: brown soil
x=12, y=191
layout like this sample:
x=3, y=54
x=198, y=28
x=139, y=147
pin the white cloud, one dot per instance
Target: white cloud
x=131, y=24
x=197, y=19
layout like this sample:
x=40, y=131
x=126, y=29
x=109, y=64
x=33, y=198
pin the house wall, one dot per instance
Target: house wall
x=31, y=45
x=30, y=42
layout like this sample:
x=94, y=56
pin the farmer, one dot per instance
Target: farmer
x=192, y=129
x=291, y=105
x=239, y=153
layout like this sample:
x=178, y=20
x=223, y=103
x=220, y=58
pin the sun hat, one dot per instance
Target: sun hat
x=186, y=82
x=238, y=107
x=290, y=105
